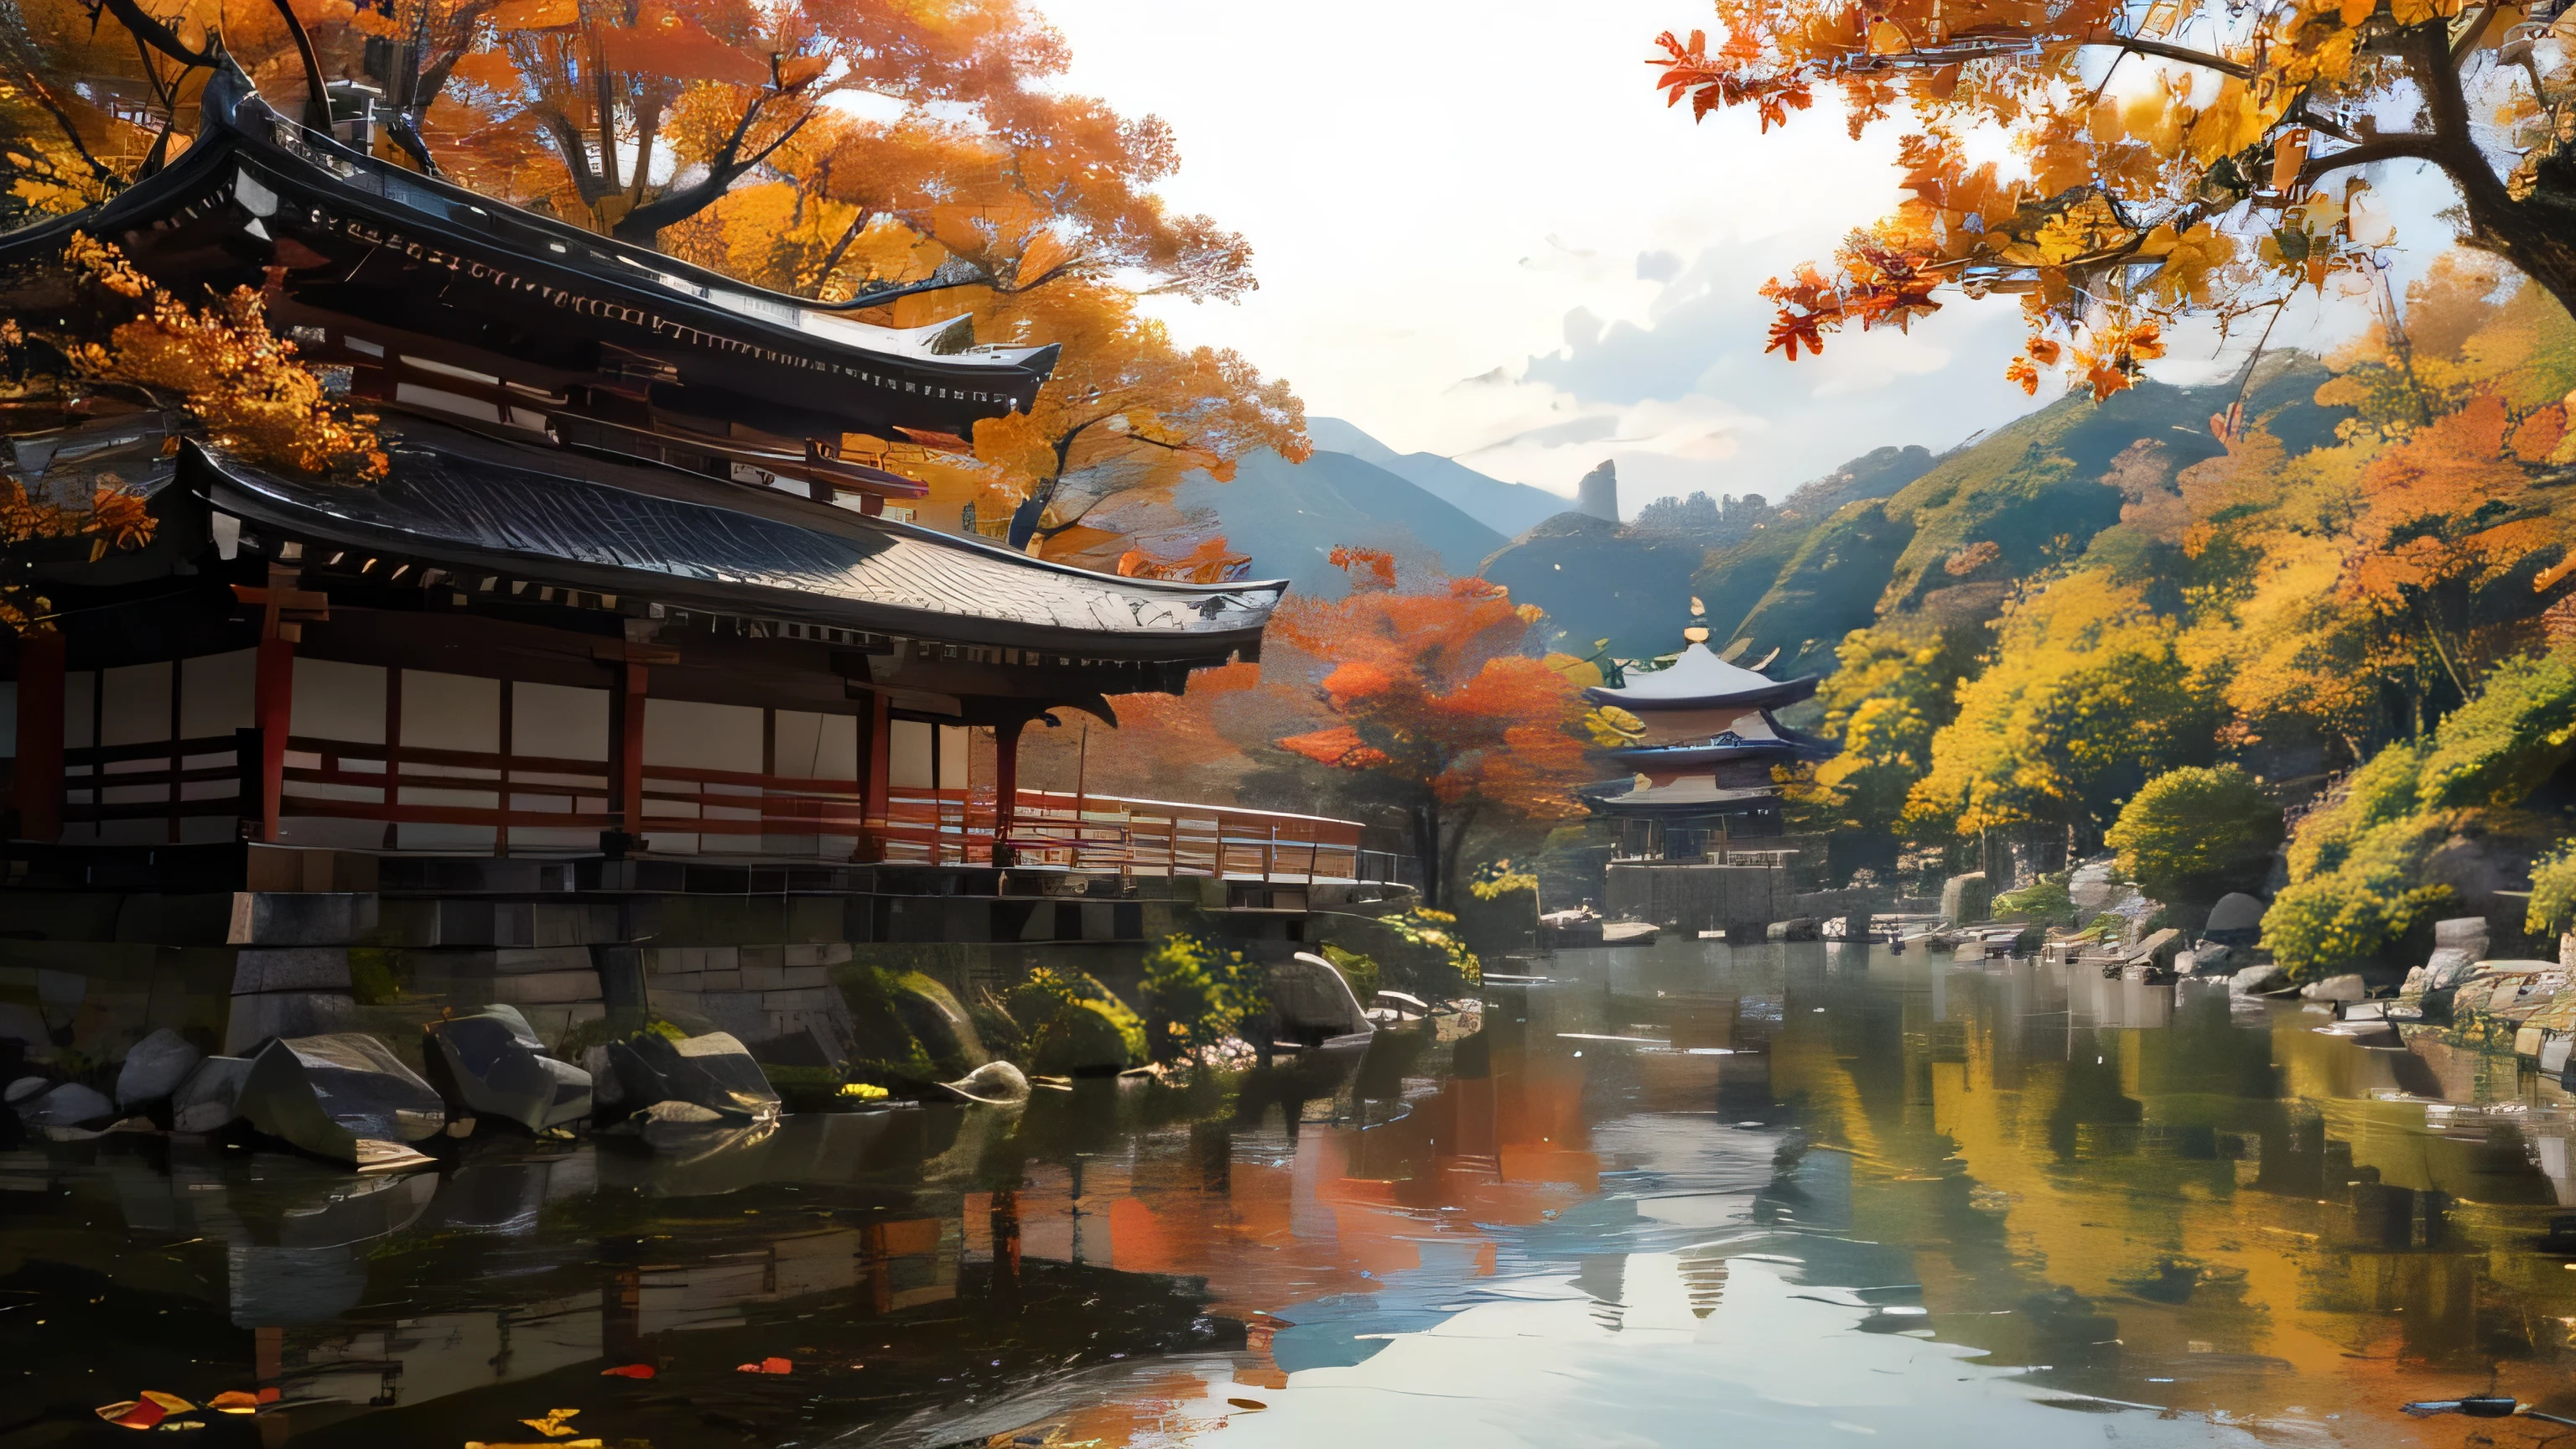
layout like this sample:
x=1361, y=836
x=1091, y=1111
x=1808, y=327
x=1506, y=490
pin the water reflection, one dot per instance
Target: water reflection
x=1791, y=1193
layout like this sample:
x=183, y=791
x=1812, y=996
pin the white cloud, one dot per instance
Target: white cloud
x=1480, y=232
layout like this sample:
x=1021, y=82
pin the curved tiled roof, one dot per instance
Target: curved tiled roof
x=1698, y=679
x=475, y=504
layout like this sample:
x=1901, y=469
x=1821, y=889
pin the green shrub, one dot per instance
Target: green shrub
x=2553, y=892
x=2044, y=900
x=2357, y=861
x=1072, y=1023
x=1195, y=995
x=2193, y=834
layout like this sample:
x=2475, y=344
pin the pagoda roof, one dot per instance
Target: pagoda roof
x=254, y=178
x=1698, y=679
x=1697, y=796
x=1726, y=745
x=480, y=507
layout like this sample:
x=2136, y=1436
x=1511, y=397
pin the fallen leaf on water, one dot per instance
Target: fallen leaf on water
x=766, y=1366
x=539, y=1444
x=170, y=1403
x=268, y=1396
x=553, y=1425
x=234, y=1401
x=1248, y=1403
x=133, y=1414
x=628, y=1371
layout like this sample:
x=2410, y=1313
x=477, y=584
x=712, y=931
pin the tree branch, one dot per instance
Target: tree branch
x=642, y=223
x=2477, y=30
x=160, y=37
x=71, y=131
x=2140, y=45
x=2408, y=145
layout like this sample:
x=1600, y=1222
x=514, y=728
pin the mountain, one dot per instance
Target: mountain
x=1947, y=544
x=1510, y=509
x=1597, y=580
x=1290, y=516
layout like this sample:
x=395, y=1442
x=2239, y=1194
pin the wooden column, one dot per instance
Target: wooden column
x=633, y=663
x=876, y=768
x=285, y=607
x=40, y=736
x=1006, y=785
x=630, y=751
x=273, y=711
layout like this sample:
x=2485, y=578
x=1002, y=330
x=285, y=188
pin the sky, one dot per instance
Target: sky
x=1480, y=233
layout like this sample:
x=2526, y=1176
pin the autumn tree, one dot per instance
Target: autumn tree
x=1434, y=695
x=2174, y=156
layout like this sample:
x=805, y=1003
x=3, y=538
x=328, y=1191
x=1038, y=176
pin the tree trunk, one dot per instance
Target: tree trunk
x=2538, y=235
x=1426, y=851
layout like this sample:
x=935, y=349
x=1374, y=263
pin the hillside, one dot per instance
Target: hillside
x=2036, y=491
x=1289, y=517
x=1510, y=509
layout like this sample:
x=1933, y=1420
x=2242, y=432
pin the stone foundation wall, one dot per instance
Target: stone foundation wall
x=91, y=972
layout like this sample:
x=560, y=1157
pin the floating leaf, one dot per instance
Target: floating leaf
x=765, y=1366
x=133, y=1414
x=628, y=1371
x=234, y=1401
x=553, y=1425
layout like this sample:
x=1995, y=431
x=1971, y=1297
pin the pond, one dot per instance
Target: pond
x=1780, y=1195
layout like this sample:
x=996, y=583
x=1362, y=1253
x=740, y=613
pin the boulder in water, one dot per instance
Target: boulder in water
x=491, y=1064
x=26, y=1087
x=155, y=1068
x=2258, y=980
x=209, y=1100
x=713, y=1071
x=2237, y=920
x=1312, y=1001
x=994, y=1084
x=2347, y=987
x=69, y=1105
x=333, y=1095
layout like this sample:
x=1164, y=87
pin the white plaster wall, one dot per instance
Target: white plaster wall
x=449, y=712
x=560, y=722
x=708, y=736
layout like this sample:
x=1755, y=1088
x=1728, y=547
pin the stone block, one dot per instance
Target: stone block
x=259, y=1016
x=726, y=980
x=302, y=968
x=804, y=978
x=542, y=988
x=762, y=976
x=828, y=953
x=267, y=918
x=539, y=960
x=1966, y=898
x=2462, y=933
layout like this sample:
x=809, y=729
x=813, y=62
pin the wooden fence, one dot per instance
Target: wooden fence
x=551, y=804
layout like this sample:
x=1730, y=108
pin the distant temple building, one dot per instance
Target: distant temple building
x=1702, y=754
x=620, y=585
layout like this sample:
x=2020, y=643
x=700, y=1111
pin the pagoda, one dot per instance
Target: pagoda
x=619, y=591
x=1701, y=744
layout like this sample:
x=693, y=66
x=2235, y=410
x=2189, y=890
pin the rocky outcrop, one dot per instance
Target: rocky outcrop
x=332, y=1095
x=490, y=1064
x=712, y=1071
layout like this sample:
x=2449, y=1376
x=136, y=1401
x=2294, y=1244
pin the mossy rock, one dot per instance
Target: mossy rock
x=908, y=1026
x=1088, y=1039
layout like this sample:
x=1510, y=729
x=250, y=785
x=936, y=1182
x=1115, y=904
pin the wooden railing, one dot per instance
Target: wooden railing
x=518, y=794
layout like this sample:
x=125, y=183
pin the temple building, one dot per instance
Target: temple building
x=619, y=584
x=1702, y=744
x=626, y=687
